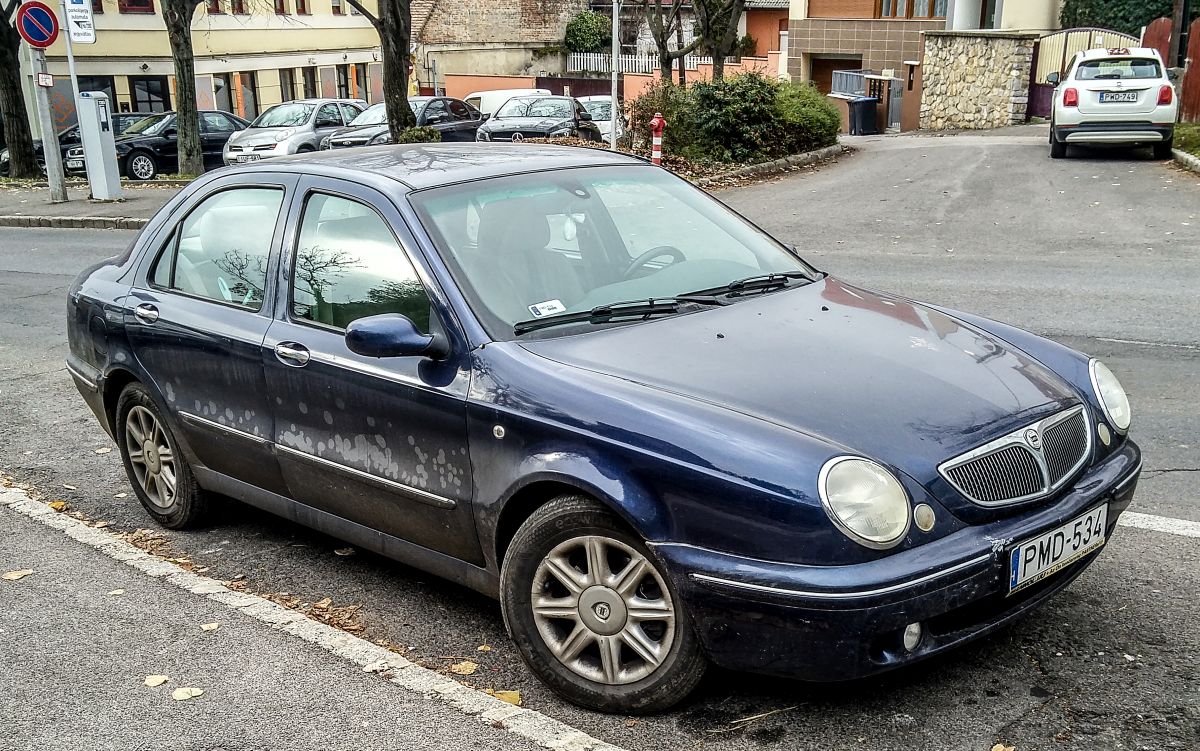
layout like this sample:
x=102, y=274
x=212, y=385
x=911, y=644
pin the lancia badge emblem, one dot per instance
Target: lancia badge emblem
x=518, y=137
x=602, y=610
x=1033, y=438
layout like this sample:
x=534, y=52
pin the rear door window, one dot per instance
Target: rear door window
x=1118, y=69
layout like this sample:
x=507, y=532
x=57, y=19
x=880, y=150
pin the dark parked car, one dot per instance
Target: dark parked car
x=539, y=117
x=658, y=443
x=68, y=137
x=454, y=119
x=151, y=146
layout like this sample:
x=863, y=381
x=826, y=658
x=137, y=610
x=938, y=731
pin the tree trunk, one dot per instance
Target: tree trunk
x=22, y=162
x=679, y=45
x=394, y=25
x=177, y=14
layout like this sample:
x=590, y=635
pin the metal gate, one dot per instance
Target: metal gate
x=1189, y=88
x=1054, y=52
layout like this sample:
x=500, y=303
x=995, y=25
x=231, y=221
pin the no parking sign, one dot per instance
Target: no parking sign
x=37, y=24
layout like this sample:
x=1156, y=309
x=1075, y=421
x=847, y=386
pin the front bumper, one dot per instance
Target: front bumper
x=831, y=623
x=1114, y=132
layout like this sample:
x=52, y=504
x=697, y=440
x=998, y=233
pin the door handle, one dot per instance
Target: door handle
x=292, y=354
x=146, y=313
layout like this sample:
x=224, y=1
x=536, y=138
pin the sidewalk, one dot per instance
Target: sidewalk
x=82, y=633
x=31, y=207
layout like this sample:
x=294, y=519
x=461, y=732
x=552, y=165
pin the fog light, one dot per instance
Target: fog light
x=924, y=517
x=912, y=636
x=1103, y=432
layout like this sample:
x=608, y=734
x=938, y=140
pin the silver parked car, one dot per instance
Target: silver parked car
x=291, y=128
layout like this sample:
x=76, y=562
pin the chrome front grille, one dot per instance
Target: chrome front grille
x=1028, y=463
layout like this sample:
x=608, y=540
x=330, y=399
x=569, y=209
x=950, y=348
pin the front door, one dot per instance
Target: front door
x=380, y=442
x=197, y=324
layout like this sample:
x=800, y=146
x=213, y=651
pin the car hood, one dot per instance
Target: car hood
x=358, y=132
x=257, y=136
x=866, y=372
x=524, y=123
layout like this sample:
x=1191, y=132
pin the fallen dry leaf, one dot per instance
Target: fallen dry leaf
x=631, y=723
x=186, y=692
x=104, y=450
x=101, y=525
x=12, y=576
x=156, y=680
x=344, y=551
x=70, y=487
x=1002, y=747
x=209, y=626
x=322, y=604
x=512, y=697
x=483, y=648
x=466, y=667
x=116, y=592
x=120, y=495
x=59, y=506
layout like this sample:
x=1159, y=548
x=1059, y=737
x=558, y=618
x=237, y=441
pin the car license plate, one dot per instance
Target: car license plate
x=74, y=164
x=1034, y=560
x=1118, y=96
x=247, y=157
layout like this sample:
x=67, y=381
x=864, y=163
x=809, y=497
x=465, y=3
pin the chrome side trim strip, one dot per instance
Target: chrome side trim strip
x=91, y=385
x=371, y=370
x=418, y=494
x=204, y=422
x=843, y=595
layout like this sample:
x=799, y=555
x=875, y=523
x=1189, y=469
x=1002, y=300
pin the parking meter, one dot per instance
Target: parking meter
x=97, y=132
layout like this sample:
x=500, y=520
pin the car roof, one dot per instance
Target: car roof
x=1112, y=52
x=428, y=165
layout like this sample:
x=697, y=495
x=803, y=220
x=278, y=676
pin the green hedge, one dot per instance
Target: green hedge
x=419, y=135
x=588, y=32
x=1128, y=16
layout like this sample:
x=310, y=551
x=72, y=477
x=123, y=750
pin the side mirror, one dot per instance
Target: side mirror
x=393, y=335
x=1053, y=79
x=435, y=118
x=170, y=133
x=1174, y=74
x=585, y=115
x=483, y=116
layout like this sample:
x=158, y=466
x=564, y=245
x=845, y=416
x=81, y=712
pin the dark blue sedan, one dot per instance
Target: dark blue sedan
x=570, y=380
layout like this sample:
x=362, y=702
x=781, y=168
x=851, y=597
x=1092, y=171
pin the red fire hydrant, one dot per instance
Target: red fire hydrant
x=657, y=125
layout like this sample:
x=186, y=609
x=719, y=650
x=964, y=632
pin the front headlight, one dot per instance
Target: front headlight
x=1111, y=396
x=384, y=137
x=560, y=132
x=482, y=135
x=866, y=502
x=284, y=135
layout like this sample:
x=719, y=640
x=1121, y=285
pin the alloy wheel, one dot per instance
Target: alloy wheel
x=142, y=167
x=151, y=456
x=603, y=610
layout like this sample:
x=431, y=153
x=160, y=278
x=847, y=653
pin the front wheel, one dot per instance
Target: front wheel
x=1164, y=150
x=140, y=166
x=592, y=613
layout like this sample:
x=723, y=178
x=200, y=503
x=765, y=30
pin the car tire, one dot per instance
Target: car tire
x=1164, y=149
x=600, y=659
x=305, y=149
x=1058, y=149
x=158, y=472
x=140, y=166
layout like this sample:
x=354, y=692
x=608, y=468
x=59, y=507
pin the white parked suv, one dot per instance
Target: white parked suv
x=1119, y=96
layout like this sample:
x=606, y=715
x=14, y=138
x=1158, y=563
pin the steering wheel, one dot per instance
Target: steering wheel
x=662, y=250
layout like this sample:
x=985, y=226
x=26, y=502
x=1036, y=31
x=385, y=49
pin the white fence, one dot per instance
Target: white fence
x=600, y=62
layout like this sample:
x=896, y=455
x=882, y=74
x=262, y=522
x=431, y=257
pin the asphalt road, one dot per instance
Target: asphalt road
x=1098, y=252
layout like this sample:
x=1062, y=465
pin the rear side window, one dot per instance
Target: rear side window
x=220, y=252
x=349, y=266
x=1118, y=69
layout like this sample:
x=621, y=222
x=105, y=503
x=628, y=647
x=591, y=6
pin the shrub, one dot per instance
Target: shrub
x=588, y=32
x=746, y=47
x=419, y=135
x=1128, y=16
x=810, y=121
x=737, y=120
x=676, y=105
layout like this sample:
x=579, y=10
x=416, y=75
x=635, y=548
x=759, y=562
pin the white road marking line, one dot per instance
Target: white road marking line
x=526, y=723
x=1146, y=344
x=1154, y=523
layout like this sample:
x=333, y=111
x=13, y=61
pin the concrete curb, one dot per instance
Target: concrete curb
x=1186, y=160
x=778, y=165
x=74, y=222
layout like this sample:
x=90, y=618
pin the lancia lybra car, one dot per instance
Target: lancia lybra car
x=660, y=444
x=453, y=119
x=1114, y=96
x=539, y=117
x=293, y=127
x=151, y=145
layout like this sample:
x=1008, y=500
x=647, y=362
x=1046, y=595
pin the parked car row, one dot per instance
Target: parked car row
x=68, y=137
x=150, y=146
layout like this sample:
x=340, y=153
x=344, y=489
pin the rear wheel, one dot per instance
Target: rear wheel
x=161, y=477
x=592, y=613
x=1163, y=150
x=140, y=166
x=1058, y=149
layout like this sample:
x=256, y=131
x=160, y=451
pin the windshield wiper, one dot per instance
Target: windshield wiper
x=774, y=280
x=654, y=306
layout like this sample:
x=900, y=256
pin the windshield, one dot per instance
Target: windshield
x=526, y=246
x=600, y=109
x=287, y=115
x=531, y=107
x=1119, y=68
x=376, y=114
x=148, y=126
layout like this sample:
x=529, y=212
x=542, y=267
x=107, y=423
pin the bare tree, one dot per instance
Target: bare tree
x=178, y=15
x=717, y=23
x=665, y=22
x=22, y=161
x=394, y=24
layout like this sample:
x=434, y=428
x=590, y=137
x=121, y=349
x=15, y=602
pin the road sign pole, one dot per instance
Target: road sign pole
x=50, y=147
x=71, y=59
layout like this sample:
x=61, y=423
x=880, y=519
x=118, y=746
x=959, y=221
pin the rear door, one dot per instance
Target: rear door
x=380, y=442
x=215, y=130
x=465, y=120
x=197, y=317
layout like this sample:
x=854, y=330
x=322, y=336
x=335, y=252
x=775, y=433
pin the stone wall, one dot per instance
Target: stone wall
x=975, y=79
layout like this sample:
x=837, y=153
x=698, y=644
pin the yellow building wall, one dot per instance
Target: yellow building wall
x=1030, y=15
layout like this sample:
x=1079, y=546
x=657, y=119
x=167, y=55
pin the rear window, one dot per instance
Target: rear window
x=1118, y=68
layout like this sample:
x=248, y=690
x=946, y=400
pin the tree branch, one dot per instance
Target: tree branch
x=10, y=11
x=364, y=12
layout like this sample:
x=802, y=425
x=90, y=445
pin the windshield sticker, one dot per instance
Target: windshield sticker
x=550, y=307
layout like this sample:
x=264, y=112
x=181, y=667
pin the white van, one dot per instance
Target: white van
x=488, y=102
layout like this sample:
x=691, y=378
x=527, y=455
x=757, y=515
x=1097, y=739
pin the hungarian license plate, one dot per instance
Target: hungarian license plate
x=247, y=157
x=1047, y=554
x=74, y=164
x=1118, y=96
